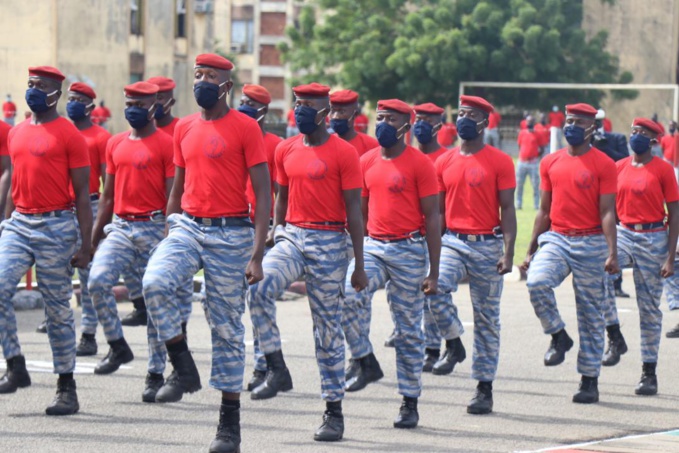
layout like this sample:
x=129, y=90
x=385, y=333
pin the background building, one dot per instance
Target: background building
x=109, y=44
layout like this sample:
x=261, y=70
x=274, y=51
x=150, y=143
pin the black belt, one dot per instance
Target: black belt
x=388, y=240
x=57, y=213
x=473, y=237
x=141, y=217
x=221, y=221
x=644, y=226
x=94, y=196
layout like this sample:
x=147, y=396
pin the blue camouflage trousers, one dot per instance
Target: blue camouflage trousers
x=671, y=287
x=585, y=257
x=645, y=253
x=401, y=268
x=477, y=260
x=89, y=321
x=321, y=257
x=49, y=242
x=223, y=254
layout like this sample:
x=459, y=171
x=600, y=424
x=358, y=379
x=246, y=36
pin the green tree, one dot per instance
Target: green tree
x=420, y=50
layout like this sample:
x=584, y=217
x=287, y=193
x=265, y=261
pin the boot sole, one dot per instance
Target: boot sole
x=645, y=393
x=237, y=450
x=256, y=396
x=350, y=388
x=476, y=411
x=397, y=426
x=60, y=413
x=334, y=439
x=596, y=400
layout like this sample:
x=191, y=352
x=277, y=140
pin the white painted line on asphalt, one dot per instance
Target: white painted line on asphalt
x=40, y=366
x=585, y=444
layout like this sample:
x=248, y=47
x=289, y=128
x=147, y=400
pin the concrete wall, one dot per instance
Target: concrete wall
x=645, y=37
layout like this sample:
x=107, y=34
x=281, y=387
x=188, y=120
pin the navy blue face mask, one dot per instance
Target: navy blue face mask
x=76, y=110
x=467, y=128
x=251, y=111
x=575, y=135
x=207, y=94
x=37, y=100
x=138, y=117
x=160, y=112
x=387, y=135
x=424, y=132
x=639, y=143
x=306, y=119
x=341, y=126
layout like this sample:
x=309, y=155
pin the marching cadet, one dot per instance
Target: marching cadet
x=575, y=230
x=209, y=229
x=48, y=156
x=646, y=184
x=319, y=182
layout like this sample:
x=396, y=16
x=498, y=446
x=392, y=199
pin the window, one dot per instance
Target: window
x=136, y=77
x=180, y=21
x=242, y=36
x=136, y=17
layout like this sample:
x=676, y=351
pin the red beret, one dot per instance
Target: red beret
x=212, y=60
x=141, y=89
x=476, y=102
x=344, y=97
x=648, y=124
x=312, y=90
x=396, y=105
x=83, y=88
x=429, y=109
x=257, y=93
x=46, y=71
x=581, y=110
x=163, y=83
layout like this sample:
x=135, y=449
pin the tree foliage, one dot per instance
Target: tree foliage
x=420, y=50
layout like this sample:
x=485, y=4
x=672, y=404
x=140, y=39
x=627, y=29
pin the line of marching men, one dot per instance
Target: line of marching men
x=195, y=193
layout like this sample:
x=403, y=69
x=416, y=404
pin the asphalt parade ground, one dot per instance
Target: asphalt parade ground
x=532, y=412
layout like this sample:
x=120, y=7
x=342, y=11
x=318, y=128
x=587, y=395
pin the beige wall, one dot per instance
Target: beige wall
x=645, y=37
x=19, y=49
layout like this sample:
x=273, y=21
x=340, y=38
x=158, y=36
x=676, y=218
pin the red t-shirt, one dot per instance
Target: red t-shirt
x=217, y=155
x=494, y=120
x=394, y=189
x=608, y=126
x=557, y=119
x=140, y=168
x=4, y=132
x=667, y=145
x=643, y=191
x=447, y=134
x=361, y=123
x=436, y=154
x=528, y=145
x=96, y=138
x=316, y=178
x=472, y=184
x=543, y=134
x=363, y=143
x=270, y=143
x=576, y=182
x=9, y=109
x=42, y=156
x=523, y=125
x=169, y=129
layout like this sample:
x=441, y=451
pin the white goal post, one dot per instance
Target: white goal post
x=582, y=86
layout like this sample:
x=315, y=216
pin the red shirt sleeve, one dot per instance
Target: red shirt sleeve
x=253, y=144
x=110, y=166
x=281, y=176
x=427, y=184
x=78, y=153
x=506, y=177
x=545, y=182
x=168, y=161
x=350, y=170
x=669, y=184
x=177, y=140
x=608, y=178
x=438, y=168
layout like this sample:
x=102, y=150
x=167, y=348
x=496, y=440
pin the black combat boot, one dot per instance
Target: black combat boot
x=648, y=385
x=407, y=417
x=454, y=354
x=184, y=378
x=369, y=371
x=16, y=375
x=482, y=403
x=227, y=439
x=66, y=400
x=119, y=354
x=332, y=428
x=561, y=343
x=616, y=346
x=588, y=392
x=278, y=378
